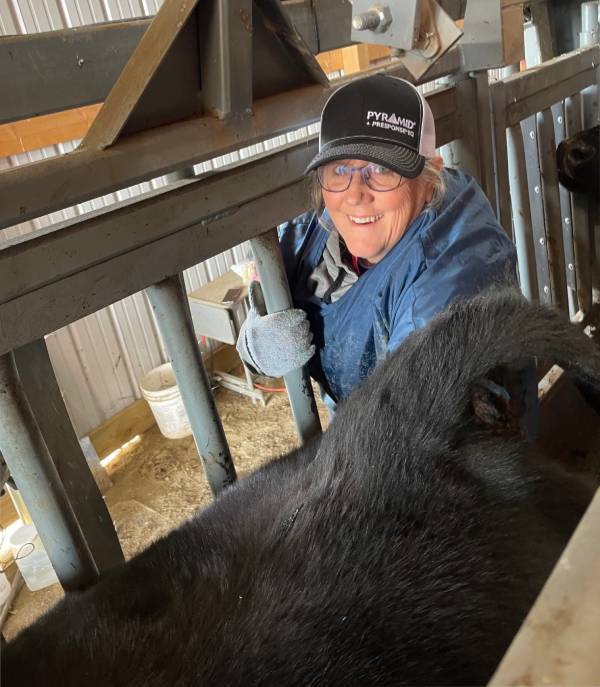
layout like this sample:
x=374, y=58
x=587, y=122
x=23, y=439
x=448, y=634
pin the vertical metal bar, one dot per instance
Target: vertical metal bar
x=484, y=122
x=499, y=115
x=572, y=302
x=463, y=152
x=529, y=130
x=47, y=405
x=39, y=484
x=521, y=213
x=590, y=32
x=269, y=265
x=558, y=117
x=589, y=24
x=169, y=303
x=580, y=220
x=225, y=39
x=550, y=199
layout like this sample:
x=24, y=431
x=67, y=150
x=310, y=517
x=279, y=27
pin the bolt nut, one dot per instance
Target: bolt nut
x=570, y=266
x=546, y=289
x=536, y=189
x=560, y=119
x=542, y=241
x=532, y=134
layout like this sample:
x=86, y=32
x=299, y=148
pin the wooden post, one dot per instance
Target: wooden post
x=355, y=58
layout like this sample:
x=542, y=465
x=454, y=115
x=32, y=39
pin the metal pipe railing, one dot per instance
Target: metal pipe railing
x=169, y=303
x=271, y=271
x=31, y=466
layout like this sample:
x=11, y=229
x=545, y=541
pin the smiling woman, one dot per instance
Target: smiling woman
x=393, y=239
x=369, y=218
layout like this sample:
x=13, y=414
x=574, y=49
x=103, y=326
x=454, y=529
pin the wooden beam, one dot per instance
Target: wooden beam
x=46, y=130
x=355, y=58
x=330, y=61
x=122, y=427
x=511, y=21
x=8, y=514
x=541, y=86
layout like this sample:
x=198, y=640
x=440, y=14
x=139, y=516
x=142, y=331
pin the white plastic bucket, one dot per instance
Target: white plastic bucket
x=159, y=388
x=31, y=558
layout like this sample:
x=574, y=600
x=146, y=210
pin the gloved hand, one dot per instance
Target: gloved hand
x=274, y=344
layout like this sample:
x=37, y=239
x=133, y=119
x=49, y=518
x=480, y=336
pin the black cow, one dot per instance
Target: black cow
x=405, y=547
x=578, y=162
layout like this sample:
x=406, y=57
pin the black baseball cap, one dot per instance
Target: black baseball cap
x=380, y=118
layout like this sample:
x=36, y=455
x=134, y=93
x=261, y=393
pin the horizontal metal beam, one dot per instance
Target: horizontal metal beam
x=64, y=275
x=33, y=190
x=49, y=72
x=27, y=264
x=540, y=87
x=58, y=70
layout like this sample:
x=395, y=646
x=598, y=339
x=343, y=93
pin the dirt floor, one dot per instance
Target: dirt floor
x=159, y=482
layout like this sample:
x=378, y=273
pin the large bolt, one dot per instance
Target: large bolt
x=366, y=20
x=376, y=18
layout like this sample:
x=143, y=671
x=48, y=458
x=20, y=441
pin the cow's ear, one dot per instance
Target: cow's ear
x=492, y=407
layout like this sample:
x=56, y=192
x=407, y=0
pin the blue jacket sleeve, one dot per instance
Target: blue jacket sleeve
x=473, y=255
x=293, y=236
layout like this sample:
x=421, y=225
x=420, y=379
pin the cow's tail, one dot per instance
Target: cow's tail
x=426, y=385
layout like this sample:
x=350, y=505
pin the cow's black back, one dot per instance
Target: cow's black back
x=405, y=547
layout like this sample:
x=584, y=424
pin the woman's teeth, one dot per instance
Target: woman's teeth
x=365, y=220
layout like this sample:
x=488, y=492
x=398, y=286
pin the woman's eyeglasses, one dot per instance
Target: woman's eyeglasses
x=337, y=177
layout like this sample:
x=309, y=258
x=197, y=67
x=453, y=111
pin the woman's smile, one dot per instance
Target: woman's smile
x=367, y=219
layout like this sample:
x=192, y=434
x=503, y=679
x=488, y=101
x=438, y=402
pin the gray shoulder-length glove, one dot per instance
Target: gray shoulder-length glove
x=274, y=344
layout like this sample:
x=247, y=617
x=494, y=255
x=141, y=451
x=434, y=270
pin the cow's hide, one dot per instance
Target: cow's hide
x=405, y=547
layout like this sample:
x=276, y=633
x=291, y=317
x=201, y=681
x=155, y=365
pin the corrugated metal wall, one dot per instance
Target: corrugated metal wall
x=100, y=359
x=33, y=16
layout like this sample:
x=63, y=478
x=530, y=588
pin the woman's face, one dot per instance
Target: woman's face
x=372, y=222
